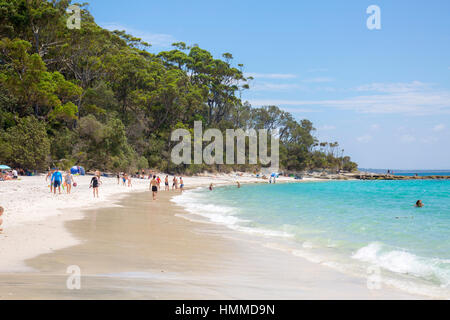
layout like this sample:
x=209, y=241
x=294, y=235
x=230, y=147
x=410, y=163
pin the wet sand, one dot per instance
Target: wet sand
x=142, y=250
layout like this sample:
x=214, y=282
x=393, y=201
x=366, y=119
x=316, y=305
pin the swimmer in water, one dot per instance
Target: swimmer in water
x=419, y=204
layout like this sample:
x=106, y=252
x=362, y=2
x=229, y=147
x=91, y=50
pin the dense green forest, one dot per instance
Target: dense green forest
x=100, y=99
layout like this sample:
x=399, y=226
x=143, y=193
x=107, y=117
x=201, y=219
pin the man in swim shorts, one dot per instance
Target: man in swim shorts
x=56, y=181
x=166, y=183
x=181, y=184
x=154, y=187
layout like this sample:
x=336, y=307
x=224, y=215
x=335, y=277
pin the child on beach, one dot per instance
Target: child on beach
x=1, y=221
x=49, y=176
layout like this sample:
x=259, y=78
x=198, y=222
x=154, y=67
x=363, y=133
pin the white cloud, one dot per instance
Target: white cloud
x=267, y=86
x=298, y=110
x=394, y=87
x=375, y=126
x=364, y=139
x=439, y=127
x=319, y=80
x=327, y=127
x=413, y=98
x=155, y=39
x=270, y=75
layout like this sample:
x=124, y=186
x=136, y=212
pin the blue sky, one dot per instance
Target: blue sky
x=383, y=94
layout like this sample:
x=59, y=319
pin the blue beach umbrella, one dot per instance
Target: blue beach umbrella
x=3, y=167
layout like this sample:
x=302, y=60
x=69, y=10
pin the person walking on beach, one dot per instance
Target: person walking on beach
x=154, y=187
x=181, y=185
x=158, y=180
x=56, y=181
x=49, y=176
x=124, y=179
x=95, y=182
x=129, y=182
x=174, y=183
x=1, y=220
x=118, y=178
x=68, y=180
x=166, y=183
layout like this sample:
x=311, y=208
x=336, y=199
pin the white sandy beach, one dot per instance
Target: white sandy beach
x=43, y=233
x=29, y=229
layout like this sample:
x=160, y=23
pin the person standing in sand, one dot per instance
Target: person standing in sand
x=129, y=182
x=95, y=183
x=181, y=185
x=49, y=176
x=56, y=181
x=166, y=183
x=1, y=221
x=154, y=187
x=174, y=183
x=68, y=180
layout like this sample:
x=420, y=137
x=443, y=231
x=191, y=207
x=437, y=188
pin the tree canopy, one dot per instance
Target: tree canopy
x=99, y=98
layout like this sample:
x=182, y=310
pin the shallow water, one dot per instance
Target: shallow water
x=349, y=225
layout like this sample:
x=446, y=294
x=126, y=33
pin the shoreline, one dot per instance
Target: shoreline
x=139, y=249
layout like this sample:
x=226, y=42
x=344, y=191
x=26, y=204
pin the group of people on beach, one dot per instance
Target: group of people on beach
x=58, y=180
x=9, y=175
x=66, y=180
x=155, y=184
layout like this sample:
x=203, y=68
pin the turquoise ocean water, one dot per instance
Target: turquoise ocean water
x=353, y=226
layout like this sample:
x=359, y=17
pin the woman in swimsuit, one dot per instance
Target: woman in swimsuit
x=95, y=182
x=68, y=179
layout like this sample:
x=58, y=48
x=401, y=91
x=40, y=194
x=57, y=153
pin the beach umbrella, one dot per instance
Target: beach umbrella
x=3, y=167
